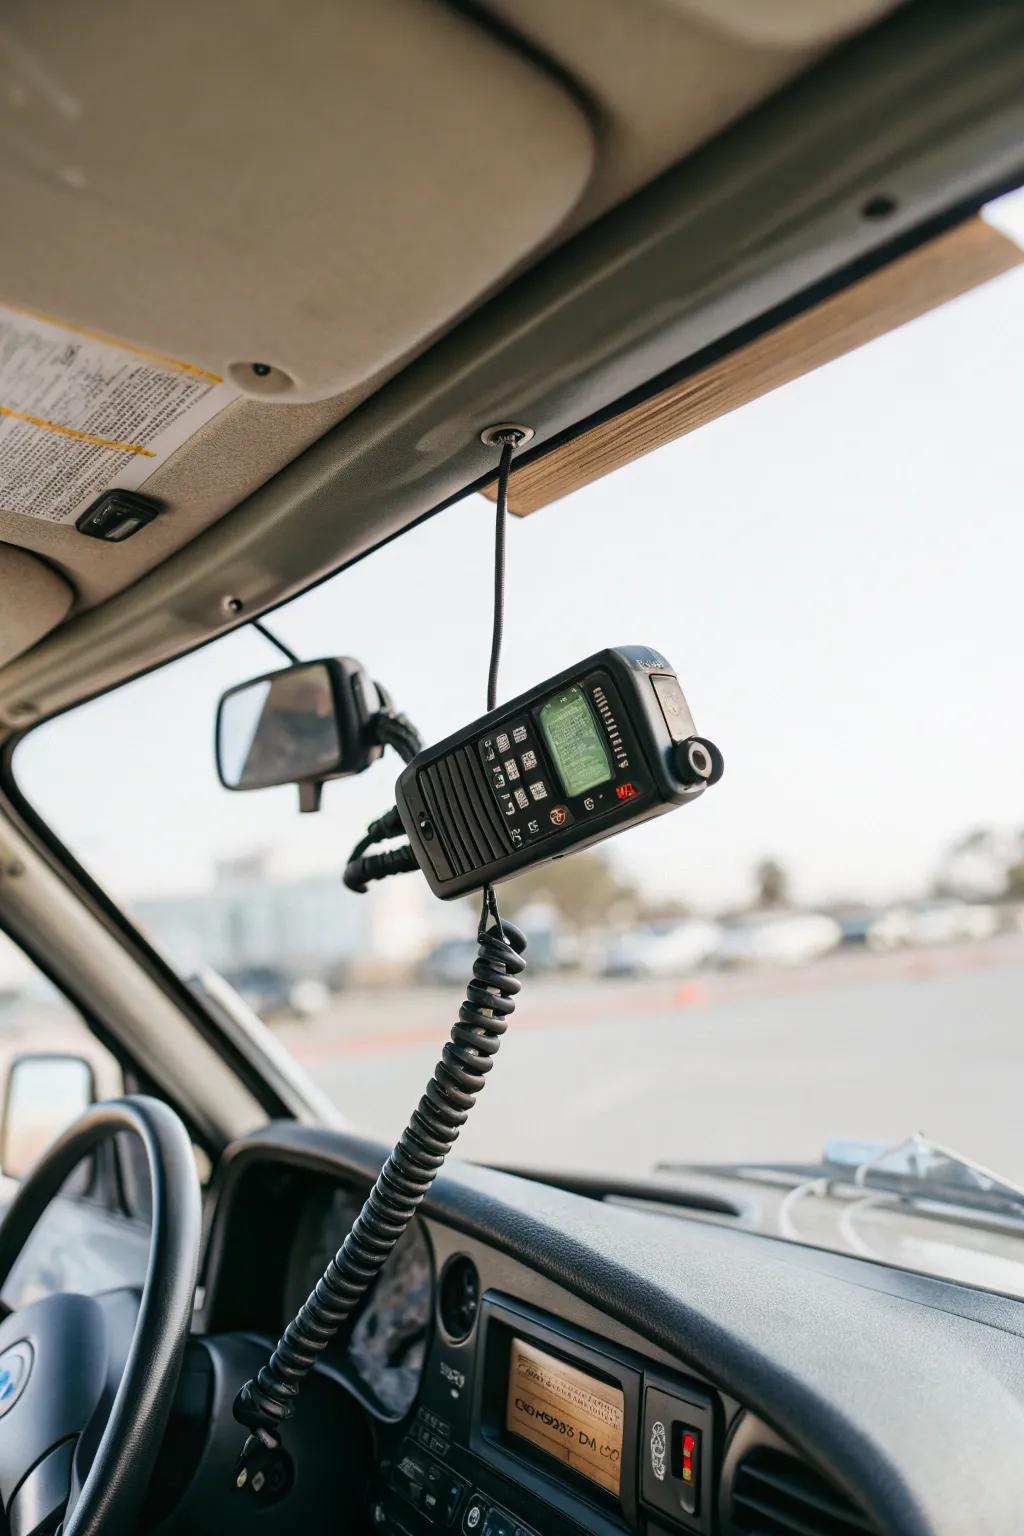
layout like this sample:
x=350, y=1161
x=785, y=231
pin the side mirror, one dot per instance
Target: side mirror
x=300, y=725
x=43, y=1095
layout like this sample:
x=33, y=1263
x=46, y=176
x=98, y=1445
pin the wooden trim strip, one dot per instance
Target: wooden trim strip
x=952, y=264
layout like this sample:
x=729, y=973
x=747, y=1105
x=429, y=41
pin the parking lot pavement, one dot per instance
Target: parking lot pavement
x=615, y=1076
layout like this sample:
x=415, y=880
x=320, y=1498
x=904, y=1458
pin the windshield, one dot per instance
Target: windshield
x=828, y=946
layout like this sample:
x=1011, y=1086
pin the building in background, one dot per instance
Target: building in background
x=256, y=915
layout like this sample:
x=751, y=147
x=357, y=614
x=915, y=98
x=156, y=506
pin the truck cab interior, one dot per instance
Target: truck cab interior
x=279, y=285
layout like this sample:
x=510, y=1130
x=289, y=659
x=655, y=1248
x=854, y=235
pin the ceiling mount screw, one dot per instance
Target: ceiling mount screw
x=506, y=432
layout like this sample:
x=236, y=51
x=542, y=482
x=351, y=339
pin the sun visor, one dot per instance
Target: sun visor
x=313, y=188
x=33, y=600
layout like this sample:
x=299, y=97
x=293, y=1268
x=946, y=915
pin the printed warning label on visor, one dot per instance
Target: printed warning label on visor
x=80, y=414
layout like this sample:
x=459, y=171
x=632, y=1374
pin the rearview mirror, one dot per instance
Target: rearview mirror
x=44, y=1094
x=300, y=725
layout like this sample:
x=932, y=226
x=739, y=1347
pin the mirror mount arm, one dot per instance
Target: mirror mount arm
x=310, y=795
x=387, y=729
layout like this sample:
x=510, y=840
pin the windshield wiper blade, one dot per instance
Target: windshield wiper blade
x=916, y=1170
x=921, y=1170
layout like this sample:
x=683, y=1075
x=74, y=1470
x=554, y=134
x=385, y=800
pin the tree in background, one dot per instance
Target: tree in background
x=985, y=864
x=772, y=884
x=1015, y=877
x=663, y=909
x=584, y=890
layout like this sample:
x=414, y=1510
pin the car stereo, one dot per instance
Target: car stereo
x=568, y=1414
x=538, y=1427
x=600, y=747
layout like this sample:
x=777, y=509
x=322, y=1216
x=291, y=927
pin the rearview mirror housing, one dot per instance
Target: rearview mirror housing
x=300, y=725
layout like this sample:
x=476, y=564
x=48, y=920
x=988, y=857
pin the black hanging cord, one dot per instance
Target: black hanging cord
x=508, y=448
x=394, y=730
x=268, y=634
x=508, y=439
x=266, y=1402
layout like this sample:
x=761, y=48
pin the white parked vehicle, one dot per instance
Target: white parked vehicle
x=949, y=922
x=931, y=923
x=778, y=938
x=890, y=930
x=663, y=949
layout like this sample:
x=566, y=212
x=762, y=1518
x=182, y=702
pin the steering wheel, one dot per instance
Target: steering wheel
x=86, y=1382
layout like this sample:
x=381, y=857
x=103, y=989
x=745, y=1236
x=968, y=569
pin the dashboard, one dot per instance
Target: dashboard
x=533, y=1361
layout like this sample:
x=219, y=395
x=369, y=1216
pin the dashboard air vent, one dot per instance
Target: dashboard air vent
x=459, y=1299
x=775, y=1494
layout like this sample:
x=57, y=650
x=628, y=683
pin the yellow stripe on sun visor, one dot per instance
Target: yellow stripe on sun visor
x=116, y=341
x=82, y=437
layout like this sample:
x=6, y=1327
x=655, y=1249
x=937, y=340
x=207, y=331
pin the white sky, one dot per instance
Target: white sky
x=835, y=571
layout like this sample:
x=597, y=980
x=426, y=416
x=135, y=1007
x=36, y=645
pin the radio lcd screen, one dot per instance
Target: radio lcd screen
x=567, y=1414
x=575, y=742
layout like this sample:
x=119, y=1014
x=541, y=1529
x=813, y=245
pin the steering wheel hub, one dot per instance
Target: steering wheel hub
x=15, y=1365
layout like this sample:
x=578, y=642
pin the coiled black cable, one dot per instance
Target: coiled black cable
x=388, y=825
x=268, y=1401
x=361, y=869
x=397, y=731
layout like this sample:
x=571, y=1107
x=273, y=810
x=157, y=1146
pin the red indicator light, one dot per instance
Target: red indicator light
x=626, y=792
x=687, y=1450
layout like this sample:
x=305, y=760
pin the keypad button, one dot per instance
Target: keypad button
x=522, y=799
x=473, y=1519
x=501, y=742
x=528, y=760
x=453, y=1491
x=539, y=790
x=497, y=778
x=559, y=816
x=519, y=734
x=508, y=805
x=512, y=768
